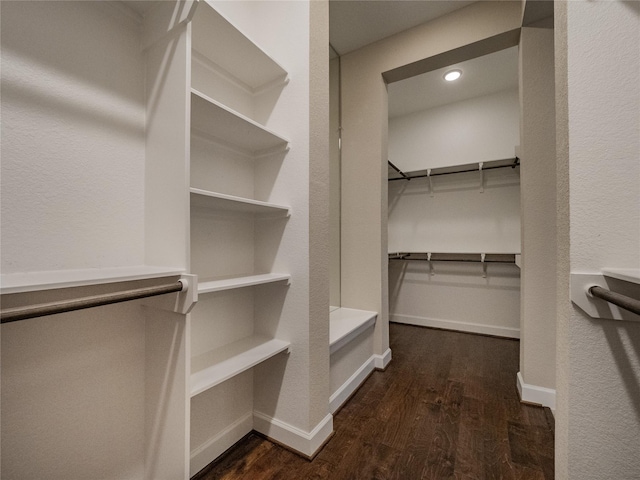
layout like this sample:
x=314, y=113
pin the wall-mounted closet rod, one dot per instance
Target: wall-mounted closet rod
x=516, y=163
x=398, y=170
x=455, y=257
x=23, y=313
x=622, y=301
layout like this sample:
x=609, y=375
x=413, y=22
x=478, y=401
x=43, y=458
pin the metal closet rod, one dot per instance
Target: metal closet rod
x=454, y=257
x=23, y=313
x=516, y=163
x=622, y=301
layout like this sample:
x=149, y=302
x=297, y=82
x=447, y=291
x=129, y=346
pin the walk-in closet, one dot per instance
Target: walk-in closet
x=219, y=218
x=454, y=197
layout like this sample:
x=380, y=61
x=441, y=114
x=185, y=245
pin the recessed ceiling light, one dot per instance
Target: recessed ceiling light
x=452, y=75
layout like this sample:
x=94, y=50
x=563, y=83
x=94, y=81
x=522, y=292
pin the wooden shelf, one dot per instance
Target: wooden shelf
x=220, y=123
x=233, y=51
x=221, y=201
x=49, y=280
x=214, y=367
x=217, y=285
x=345, y=324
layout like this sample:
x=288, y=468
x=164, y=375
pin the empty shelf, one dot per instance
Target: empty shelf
x=220, y=123
x=397, y=174
x=246, y=62
x=214, y=367
x=455, y=257
x=217, y=285
x=48, y=280
x=345, y=324
x=221, y=201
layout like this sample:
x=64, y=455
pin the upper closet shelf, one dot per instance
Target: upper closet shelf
x=222, y=124
x=396, y=173
x=49, y=280
x=217, y=285
x=455, y=257
x=248, y=65
x=221, y=201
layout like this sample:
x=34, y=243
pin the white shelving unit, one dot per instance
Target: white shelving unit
x=231, y=225
x=175, y=167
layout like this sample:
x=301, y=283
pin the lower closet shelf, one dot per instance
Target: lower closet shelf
x=214, y=367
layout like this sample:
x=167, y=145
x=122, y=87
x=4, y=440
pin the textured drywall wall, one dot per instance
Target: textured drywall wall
x=364, y=143
x=598, y=382
x=538, y=206
x=475, y=130
x=73, y=146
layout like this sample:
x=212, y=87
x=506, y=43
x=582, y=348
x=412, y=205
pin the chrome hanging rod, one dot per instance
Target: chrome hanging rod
x=622, y=301
x=516, y=163
x=23, y=313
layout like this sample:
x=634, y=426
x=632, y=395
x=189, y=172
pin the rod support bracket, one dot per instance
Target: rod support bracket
x=181, y=302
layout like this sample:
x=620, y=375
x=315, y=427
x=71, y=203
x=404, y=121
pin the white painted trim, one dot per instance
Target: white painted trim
x=347, y=389
x=217, y=445
x=534, y=394
x=294, y=438
x=383, y=360
x=457, y=325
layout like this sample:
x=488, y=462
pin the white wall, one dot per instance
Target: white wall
x=457, y=217
x=538, y=174
x=598, y=100
x=334, y=181
x=476, y=130
x=73, y=145
x=73, y=166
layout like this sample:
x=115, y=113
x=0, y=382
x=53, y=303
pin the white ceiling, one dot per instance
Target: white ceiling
x=356, y=23
x=480, y=76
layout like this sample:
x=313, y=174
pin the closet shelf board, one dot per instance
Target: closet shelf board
x=345, y=324
x=246, y=62
x=219, y=122
x=49, y=280
x=214, y=367
x=468, y=167
x=217, y=285
x=631, y=275
x=220, y=201
x=455, y=257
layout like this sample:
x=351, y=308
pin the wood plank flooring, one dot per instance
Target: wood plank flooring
x=446, y=407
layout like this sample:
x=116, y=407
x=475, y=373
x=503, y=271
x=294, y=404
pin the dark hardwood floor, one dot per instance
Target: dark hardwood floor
x=446, y=407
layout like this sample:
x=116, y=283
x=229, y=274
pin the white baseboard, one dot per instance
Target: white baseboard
x=497, y=331
x=383, y=360
x=343, y=393
x=534, y=394
x=307, y=443
x=216, y=446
